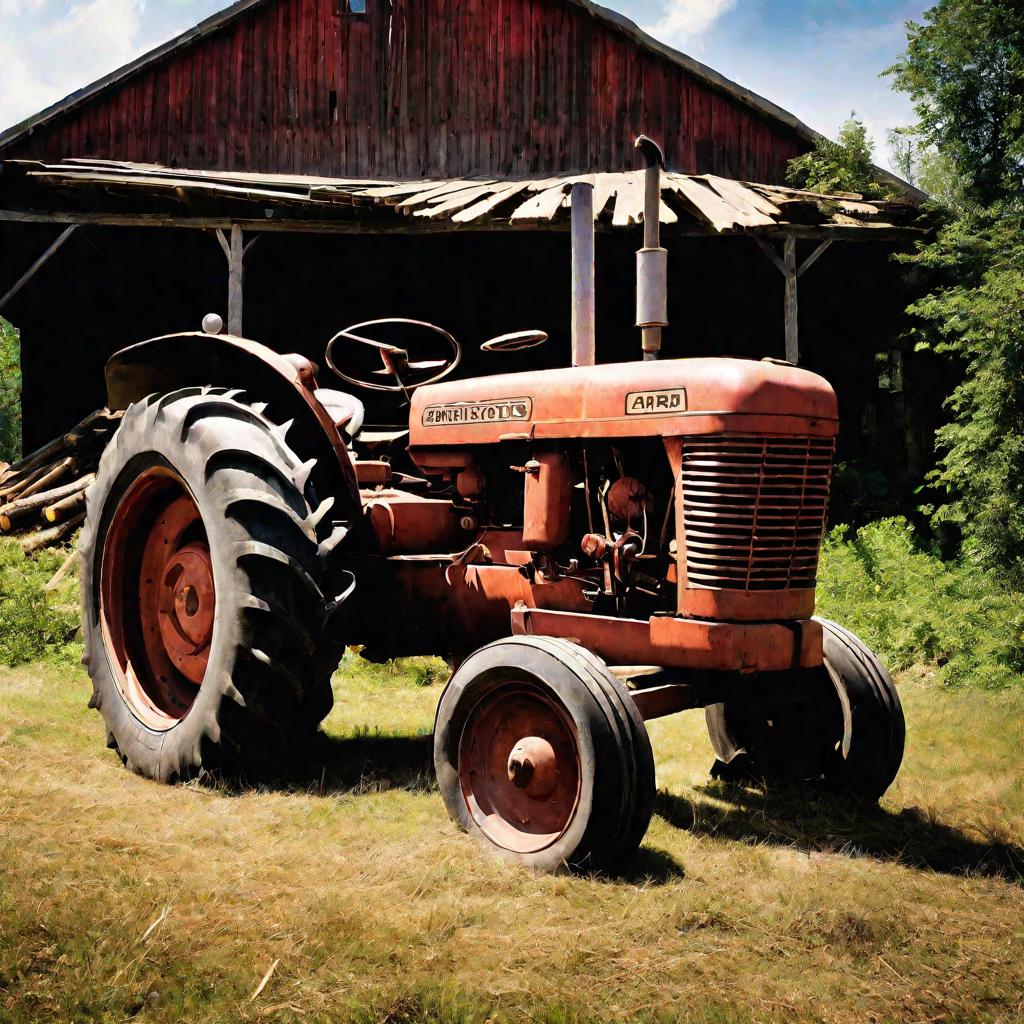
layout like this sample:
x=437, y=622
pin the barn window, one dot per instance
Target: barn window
x=352, y=6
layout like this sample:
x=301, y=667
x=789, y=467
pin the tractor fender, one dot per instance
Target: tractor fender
x=284, y=382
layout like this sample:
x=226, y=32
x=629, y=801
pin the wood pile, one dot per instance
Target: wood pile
x=42, y=497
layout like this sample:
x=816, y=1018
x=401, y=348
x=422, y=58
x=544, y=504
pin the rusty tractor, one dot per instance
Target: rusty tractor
x=589, y=547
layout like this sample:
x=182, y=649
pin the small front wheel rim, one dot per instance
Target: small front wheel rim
x=158, y=598
x=519, y=768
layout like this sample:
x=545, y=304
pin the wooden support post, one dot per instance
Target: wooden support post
x=788, y=268
x=236, y=275
x=234, y=250
x=792, y=308
x=31, y=272
x=583, y=329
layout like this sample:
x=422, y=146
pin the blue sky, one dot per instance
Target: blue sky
x=818, y=59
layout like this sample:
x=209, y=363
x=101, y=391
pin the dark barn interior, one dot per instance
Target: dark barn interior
x=556, y=87
x=118, y=286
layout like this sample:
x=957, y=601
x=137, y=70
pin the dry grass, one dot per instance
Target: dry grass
x=123, y=899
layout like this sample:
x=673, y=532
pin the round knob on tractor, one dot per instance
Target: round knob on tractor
x=533, y=767
x=213, y=323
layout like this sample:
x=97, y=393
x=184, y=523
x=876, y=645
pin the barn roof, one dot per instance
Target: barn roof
x=106, y=191
x=612, y=19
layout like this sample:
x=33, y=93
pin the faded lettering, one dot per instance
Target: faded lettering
x=493, y=411
x=645, y=403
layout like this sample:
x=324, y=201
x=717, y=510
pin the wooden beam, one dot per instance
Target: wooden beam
x=864, y=232
x=767, y=249
x=31, y=272
x=407, y=225
x=395, y=225
x=583, y=300
x=814, y=257
x=792, y=309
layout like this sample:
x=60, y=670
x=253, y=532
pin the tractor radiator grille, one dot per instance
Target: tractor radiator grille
x=754, y=510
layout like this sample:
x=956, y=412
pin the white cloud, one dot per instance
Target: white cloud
x=683, y=19
x=44, y=59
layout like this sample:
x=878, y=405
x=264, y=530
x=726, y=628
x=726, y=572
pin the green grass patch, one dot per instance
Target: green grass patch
x=34, y=625
x=913, y=608
x=124, y=899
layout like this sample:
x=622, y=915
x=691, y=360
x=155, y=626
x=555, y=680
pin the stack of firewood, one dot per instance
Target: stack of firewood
x=42, y=497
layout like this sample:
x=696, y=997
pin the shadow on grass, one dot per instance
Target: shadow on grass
x=362, y=763
x=648, y=865
x=375, y=763
x=816, y=822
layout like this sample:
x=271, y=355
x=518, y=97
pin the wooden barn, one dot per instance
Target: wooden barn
x=355, y=159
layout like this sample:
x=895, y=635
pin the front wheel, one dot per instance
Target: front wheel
x=542, y=756
x=202, y=588
x=840, y=727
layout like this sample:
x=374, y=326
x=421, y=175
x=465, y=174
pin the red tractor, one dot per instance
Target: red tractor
x=589, y=547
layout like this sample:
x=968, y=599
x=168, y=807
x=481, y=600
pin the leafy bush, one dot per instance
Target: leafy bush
x=841, y=166
x=10, y=393
x=912, y=608
x=34, y=626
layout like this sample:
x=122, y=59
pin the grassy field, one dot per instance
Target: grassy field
x=347, y=894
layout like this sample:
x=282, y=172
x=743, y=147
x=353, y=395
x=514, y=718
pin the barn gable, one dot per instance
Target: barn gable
x=416, y=88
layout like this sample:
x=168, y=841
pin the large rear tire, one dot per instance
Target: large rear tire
x=203, y=589
x=841, y=728
x=542, y=756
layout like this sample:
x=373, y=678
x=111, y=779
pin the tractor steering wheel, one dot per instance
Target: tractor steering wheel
x=395, y=360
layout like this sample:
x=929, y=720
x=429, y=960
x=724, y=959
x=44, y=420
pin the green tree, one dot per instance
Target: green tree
x=976, y=317
x=841, y=166
x=10, y=393
x=964, y=70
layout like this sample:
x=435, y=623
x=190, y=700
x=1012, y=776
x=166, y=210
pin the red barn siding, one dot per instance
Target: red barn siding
x=432, y=88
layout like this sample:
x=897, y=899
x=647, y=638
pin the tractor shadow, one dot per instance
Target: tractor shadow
x=362, y=763
x=369, y=762
x=645, y=866
x=814, y=822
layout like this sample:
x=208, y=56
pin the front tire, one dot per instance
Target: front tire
x=202, y=589
x=542, y=756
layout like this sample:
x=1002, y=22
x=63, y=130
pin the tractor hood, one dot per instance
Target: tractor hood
x=668, y=398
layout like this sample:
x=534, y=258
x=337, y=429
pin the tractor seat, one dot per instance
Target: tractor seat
x=345, y=410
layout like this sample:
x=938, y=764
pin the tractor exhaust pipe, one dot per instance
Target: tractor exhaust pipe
x=651, y=260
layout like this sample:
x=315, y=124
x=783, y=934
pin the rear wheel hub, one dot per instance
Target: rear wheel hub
x=186, y=606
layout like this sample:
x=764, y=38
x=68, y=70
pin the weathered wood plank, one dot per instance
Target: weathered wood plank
x=542, y=206
x=486, y=205
x=629, y=200
x=716, y=211
x=741, y=196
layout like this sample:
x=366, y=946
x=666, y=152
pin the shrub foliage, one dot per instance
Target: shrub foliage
x=34, y=626
x=912, y=608
x=841, y=166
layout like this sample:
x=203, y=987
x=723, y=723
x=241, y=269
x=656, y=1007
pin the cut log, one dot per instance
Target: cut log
x=14, y=485
x=61, y=469
x=94, y=428
x=47, y=538
x=65, y=508
x=70, y=563
x=23, y=508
